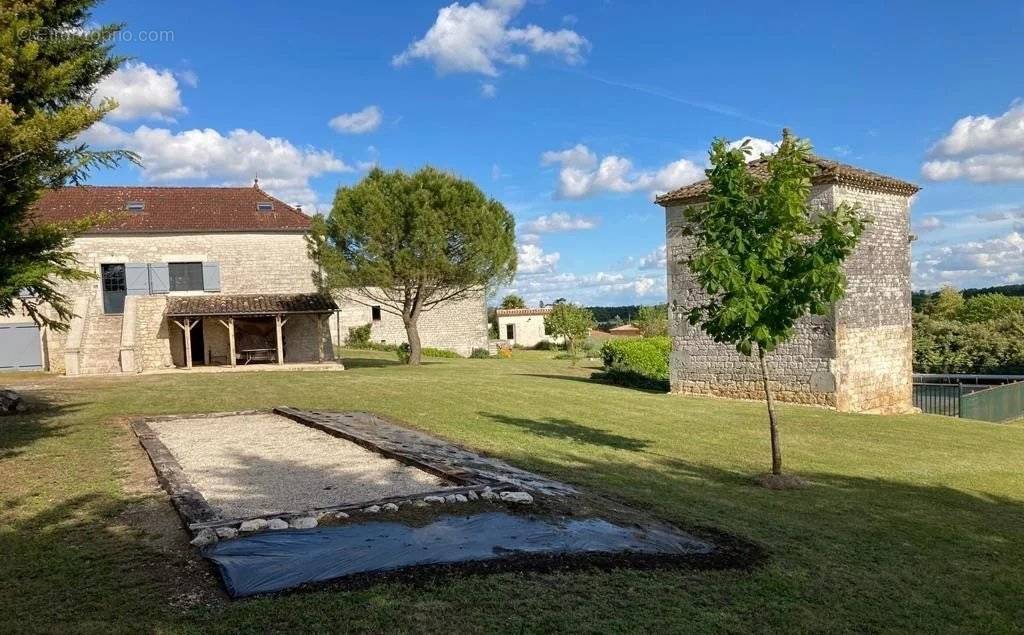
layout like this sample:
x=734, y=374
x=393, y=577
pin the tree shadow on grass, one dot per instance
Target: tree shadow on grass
x=565, y=429
x=85, y=564
x=44, y=418
x=846, y=553
x=368, y=362
x=654, y=389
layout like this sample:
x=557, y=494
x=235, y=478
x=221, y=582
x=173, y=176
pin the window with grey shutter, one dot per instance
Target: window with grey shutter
x=186, y=276
x=136, y=278
x=211, y=276
x=159, y=277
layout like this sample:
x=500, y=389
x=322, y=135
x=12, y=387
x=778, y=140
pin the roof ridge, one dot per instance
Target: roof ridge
x=829, y=171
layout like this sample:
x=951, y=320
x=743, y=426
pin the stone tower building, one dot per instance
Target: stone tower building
x=856, y=359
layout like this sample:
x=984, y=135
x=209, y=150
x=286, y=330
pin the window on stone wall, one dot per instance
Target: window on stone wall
x=185, y=276
x=375, y=313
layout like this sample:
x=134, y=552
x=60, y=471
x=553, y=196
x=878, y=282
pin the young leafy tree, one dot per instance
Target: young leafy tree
x=652, y=320
x=50, y=64
x=571, y=321
x=513, y=301
x=763, y=258
x=947, y=303
x=411, y=242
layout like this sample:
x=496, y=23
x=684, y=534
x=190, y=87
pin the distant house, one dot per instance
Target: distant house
x=189, y=276
x=626, y=330
x=524, y=327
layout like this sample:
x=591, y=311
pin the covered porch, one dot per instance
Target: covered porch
x=247, y=331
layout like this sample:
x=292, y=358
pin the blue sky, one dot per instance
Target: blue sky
x=574, y=114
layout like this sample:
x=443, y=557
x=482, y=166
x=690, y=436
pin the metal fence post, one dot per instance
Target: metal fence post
x=959, y=399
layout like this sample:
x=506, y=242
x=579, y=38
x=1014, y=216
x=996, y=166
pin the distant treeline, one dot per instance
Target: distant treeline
x=919, y=297
x=611, y=316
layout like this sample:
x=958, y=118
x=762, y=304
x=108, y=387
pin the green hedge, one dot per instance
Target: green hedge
x=948, y=346
x=641, y=362
x=427, y=351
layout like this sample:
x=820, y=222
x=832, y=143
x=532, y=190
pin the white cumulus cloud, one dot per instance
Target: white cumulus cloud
x=981, y=148
x=478, y=38
x=532, y=259
x=757, y=146
x=992, y=261
x=558, y=222
x=142, y=92
x=930, y=224
x=209, y=156
x=366, y=120
x=581, y=174
x=654, y=260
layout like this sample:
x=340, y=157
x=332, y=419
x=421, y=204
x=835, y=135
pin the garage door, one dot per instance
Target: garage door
x=19, y=347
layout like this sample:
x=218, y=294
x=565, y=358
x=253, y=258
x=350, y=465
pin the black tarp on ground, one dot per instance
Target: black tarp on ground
x=278, y=560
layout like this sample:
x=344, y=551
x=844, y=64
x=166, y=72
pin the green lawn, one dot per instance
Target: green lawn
x=911, y=523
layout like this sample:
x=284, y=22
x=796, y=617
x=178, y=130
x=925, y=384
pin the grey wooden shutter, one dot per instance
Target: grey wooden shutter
x=136, y=278
x=211, y=276
x=159, y=278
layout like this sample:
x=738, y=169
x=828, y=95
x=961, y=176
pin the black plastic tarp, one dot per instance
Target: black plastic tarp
x=279, y=560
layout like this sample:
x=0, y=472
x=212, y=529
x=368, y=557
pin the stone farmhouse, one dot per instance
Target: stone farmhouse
x=858, y=358
x=200, y=276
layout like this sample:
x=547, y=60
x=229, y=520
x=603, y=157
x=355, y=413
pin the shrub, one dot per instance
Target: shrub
x=428, y=351
x=479, y=353
x=545, y=345
x=505, y=352
x=641, y=362
x=403, y=352
x=359, y=335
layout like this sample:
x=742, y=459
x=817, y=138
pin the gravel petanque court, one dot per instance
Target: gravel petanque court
x=256, y=464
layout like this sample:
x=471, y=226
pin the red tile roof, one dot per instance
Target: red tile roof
x=171, y=209
x=826, y=171
x=249, y=304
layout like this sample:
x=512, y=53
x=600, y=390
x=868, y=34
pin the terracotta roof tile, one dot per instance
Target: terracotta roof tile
x=828, y=171
x=251, y=304
x=171, y=209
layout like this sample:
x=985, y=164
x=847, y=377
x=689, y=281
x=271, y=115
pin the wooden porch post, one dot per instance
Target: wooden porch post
x=230, y=326
x=231, y=340
x=280, y=339
x=186, y=332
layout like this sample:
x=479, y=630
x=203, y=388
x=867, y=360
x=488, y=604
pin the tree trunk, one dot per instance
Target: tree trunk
x=412, y=333
x=772, y=422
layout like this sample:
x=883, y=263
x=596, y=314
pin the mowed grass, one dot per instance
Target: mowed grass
x=911, y=523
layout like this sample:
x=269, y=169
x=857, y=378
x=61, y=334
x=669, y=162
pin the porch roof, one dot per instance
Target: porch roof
x=249, y=304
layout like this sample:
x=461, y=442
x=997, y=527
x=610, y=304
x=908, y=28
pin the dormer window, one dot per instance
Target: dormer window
x=264, y=206
x=135, y=206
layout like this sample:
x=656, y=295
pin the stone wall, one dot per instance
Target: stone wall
x=858, y=358
x=874, y=341
x=458, y=326
x=158, y=342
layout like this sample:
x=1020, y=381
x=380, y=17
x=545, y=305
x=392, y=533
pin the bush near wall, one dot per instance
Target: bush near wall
x=359, y=335
x=639, y=362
